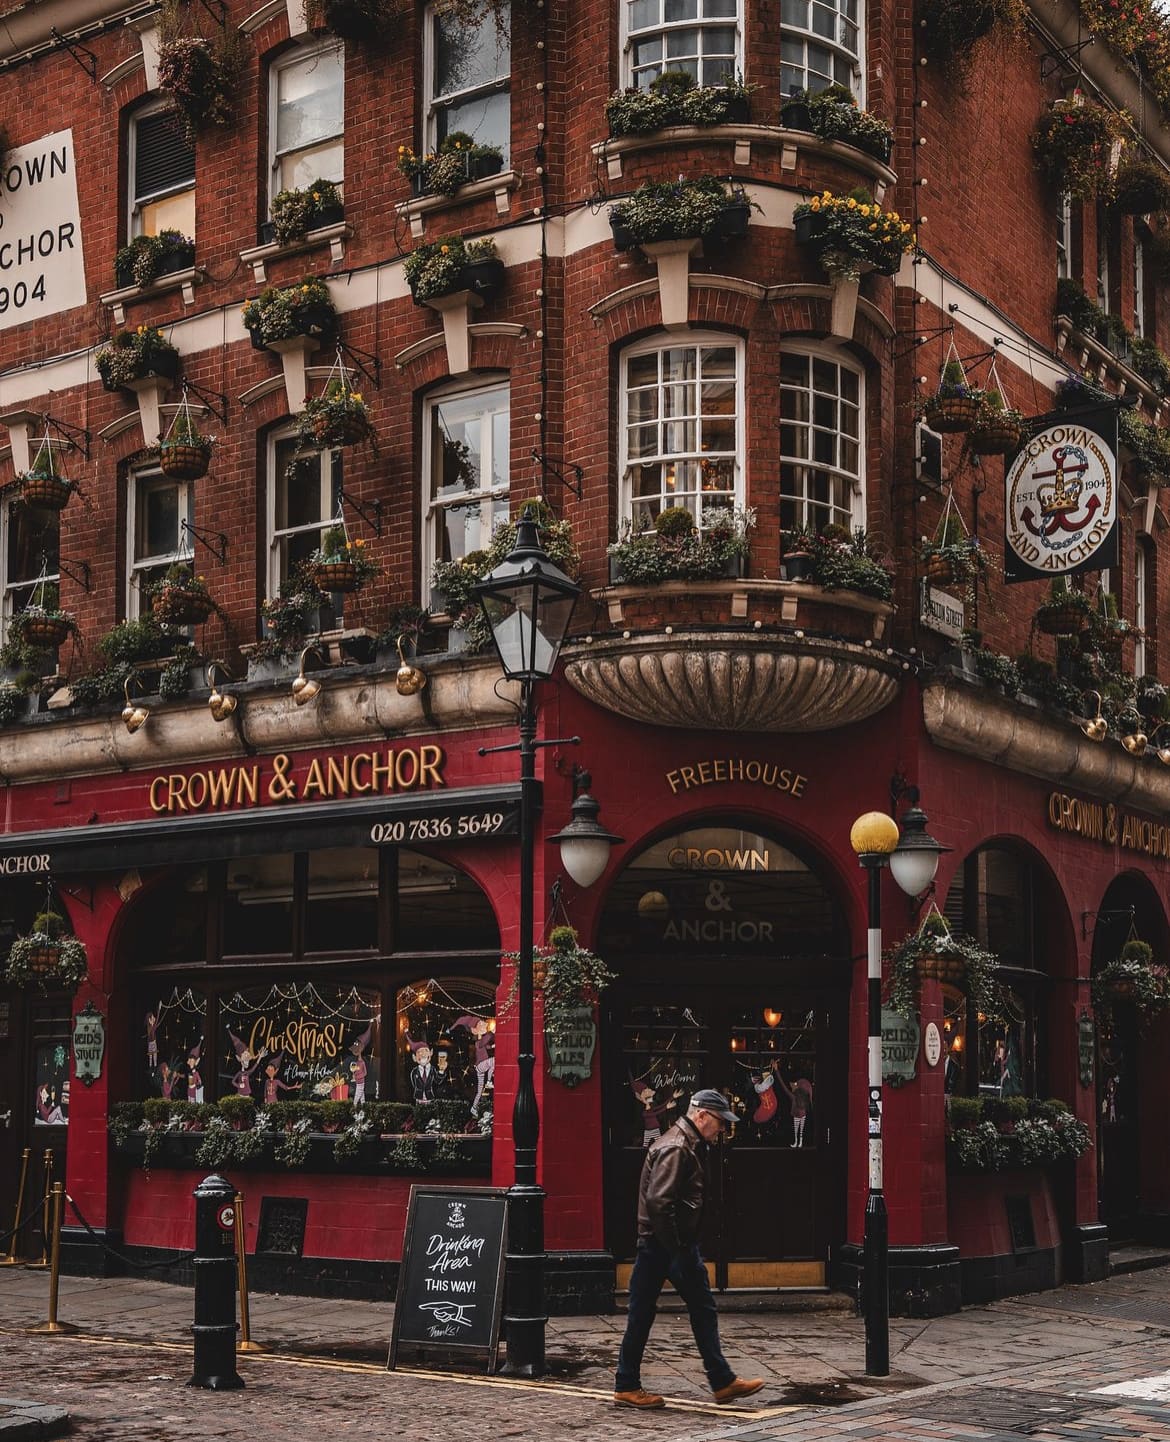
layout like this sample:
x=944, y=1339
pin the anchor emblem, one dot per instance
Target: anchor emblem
x=1062, y=496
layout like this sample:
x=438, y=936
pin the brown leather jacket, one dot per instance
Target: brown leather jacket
x=670, y=1193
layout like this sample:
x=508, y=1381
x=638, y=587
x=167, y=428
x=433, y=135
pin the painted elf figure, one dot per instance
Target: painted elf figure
x=273, y=1085
x=485, y=1053
x=247, y=1064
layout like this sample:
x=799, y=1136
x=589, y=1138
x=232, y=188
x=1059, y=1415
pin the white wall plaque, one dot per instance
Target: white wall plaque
x=42, y=270
x=932, y=1044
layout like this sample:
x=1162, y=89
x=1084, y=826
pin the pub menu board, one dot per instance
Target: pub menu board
x=451, y=1281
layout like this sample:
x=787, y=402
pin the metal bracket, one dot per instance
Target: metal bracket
x=217, y=9
x=547, y=468
x=77, y=50
x=375, y=521
x=82, y=580
x=1062, y=57
x=77, y=896
x=76, y=436
x=219, y=552
x=207, y=398
x=357, y=356
x=922, y=337
x=1128, y=913
x=515, y=745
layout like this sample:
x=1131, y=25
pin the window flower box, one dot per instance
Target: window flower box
x=281, y=313
x=458, y=161
x=296, y=212
x=672, y=99
x=136, y=355
x=679, y=210
x=852, y=234
x=449, y=266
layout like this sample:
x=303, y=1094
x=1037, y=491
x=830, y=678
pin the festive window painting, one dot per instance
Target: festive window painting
x=300, y=1043
x=773, y=1083
x=447, y=1045
x=665, y=1057
x=51, y=1090
x=172, y=1060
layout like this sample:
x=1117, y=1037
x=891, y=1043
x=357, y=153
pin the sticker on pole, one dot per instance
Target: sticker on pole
x=226, y=1216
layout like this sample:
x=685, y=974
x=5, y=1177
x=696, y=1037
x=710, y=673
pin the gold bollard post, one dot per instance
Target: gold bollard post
x=52, y=1327
x=11, y=1260
x=46, y=1213
x=245, y=1344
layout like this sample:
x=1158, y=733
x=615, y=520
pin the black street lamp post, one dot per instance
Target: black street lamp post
x=528, y=603
x=912, y=856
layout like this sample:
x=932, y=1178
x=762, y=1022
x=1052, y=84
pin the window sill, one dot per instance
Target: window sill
x=789, y=142
x=500, y=185
x=1093, y=354
x=185, y=280
x=334, y=236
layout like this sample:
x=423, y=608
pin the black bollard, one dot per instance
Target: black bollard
x=215, y=1286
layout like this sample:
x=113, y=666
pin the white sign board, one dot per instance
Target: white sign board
x=1061, y=503
x=941, y=612
x=41, y=266
x=932, y=1044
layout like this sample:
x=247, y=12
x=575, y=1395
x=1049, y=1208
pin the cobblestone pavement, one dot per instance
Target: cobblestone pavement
x=1057, y=1365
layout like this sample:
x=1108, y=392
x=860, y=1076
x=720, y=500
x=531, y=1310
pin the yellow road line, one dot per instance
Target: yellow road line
x=333, y=1364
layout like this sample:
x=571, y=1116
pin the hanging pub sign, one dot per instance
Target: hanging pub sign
x=570, y=1052
x=89, y=1043
x=1060, y=509
x=1086, y=1047
x=900, y=1038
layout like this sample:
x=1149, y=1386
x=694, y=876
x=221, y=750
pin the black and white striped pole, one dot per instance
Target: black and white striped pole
x=913, y=857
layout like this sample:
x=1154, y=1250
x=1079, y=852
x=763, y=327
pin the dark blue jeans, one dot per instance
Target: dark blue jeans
x=652, y=1266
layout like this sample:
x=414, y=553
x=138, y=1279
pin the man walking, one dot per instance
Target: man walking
x=670, y=1208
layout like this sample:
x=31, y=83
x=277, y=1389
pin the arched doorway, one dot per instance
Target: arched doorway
x=1128, y=1067
x=732, y=954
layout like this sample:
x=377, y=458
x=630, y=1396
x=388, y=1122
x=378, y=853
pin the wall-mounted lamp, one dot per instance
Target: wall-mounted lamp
x=133, y=716
x=410, y=680
x=584, y=842
x=1136, y=742
x=1162, y=752
x=220, y=706
x=304, y=689
x=1095, y=727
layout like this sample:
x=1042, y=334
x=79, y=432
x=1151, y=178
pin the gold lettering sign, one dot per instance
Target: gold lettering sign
x=726, y=769
x=1104, y=822
x=281, y=778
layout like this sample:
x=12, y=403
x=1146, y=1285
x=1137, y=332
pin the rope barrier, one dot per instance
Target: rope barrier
x=174, y=1261
x=32, y=1216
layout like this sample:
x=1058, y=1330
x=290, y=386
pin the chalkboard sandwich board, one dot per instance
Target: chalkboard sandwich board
x=451, y=1281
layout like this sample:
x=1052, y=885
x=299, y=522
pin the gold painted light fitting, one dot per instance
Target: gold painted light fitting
x=220, y=705
x=410, y=680
x=134, y=716
x=1095, y=727
x=1162, y=752
x=773, y=1017
x=304, y=688
x=1135, y=743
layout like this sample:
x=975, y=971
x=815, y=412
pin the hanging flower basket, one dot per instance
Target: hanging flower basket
x=1064, y=613
x=940, y=569
x=943, y=966
x=336, y=576
x=1132, y=979
x=951, y=413
x=49, y=492
x=184, y=460
x=47, y=958
x=934, y=953
x=339, y=564
x=177, y=606
x=1000, y=436
x=47, y=632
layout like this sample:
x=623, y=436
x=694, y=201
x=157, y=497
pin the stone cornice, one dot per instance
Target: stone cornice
x=981, y=723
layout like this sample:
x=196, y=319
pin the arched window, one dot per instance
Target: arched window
x=820, y=45
x=702, y=37
x=821, y=441
x=994, y=900
x=681, y=427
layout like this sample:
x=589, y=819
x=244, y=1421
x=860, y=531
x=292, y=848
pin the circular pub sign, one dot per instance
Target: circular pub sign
x=1061, y=503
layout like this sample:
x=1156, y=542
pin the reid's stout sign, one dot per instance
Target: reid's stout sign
x=451, y=1281
x=1060, y=511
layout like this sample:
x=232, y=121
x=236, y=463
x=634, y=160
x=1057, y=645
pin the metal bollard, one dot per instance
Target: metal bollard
x=11, y=1259
x=245, y=1344
x=52, y=1327
x=46, y=1212
x=215, y=1286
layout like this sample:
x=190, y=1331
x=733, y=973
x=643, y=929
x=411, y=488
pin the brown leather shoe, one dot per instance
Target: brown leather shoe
x=740, y=1387
x=640, y=1398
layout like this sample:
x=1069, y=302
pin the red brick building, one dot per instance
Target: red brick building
x=288, y=902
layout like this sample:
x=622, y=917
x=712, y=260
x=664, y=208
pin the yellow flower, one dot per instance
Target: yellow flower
x=402, y=150
x=359, y=543
x=444, y=250
x=316, y=196
x=356, y=397
x=814, y=204
x=872, y=226
x=865, y=210
x=851, y=203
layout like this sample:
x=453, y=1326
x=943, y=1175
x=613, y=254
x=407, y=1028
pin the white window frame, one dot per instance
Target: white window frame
x=274, y=537
x=12, y=589
x=856, y=59
x=487, y=495
x=299, y=57
x=1139, y=282
x=133, y=208
x=1064, y=237
x=1103, y=279
x=628, y=35
x=136, y=605
x=433, y=105
x=856, y=483
x=688, y=340
x=1141, y=558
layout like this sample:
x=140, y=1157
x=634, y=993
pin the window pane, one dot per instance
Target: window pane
x=164, y=159
x=446, y=1042
x=487, y=117
x=258, y=907
x=33, y=539
x=467, y=56
x=156, y=526
x=341, y=908
x=318, y=162
x=310, y=99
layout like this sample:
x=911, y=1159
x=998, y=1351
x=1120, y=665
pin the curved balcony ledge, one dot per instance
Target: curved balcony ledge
x=356, y=704
x=1107, y=366
x=733, y=680
x=968, y=718
x=790, y=143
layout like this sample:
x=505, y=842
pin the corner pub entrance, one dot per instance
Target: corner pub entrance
x=734, y=973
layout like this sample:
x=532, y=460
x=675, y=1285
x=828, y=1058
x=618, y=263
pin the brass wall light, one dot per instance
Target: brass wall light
x=410, y=680
x=304, y=688
x=1136, y=742
x=1162, y=752
x=133, y=716
x=1095, y=727
x=220, y=705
